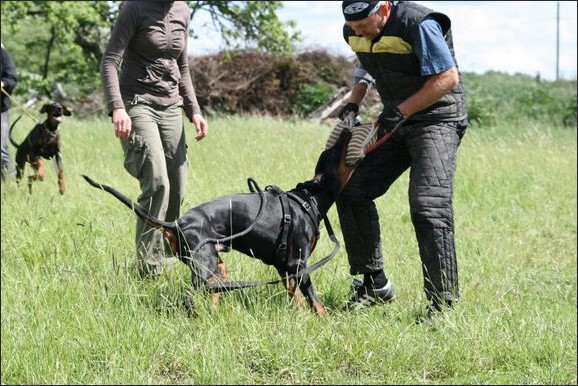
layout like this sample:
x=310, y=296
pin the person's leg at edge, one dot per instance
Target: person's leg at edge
x=7, y=166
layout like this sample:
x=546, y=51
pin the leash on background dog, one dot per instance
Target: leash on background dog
x=20, y=107
x=235, y=285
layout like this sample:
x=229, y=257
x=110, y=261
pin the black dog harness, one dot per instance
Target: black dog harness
x=309, y=205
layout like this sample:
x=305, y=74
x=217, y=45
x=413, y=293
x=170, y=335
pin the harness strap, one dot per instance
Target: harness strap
x=321, y=262
x=281, y=250
x=311, y=210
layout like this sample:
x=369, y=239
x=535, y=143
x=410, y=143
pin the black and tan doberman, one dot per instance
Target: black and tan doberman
x=279, y=228
x=42, y=142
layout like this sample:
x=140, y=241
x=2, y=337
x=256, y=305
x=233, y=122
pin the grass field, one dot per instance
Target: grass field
x=72, y=313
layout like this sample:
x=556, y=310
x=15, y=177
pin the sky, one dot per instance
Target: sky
x=505, y=36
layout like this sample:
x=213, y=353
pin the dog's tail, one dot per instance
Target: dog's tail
x=141, y=212
x=10, y=133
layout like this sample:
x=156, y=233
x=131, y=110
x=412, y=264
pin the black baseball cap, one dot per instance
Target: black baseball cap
x=354, y=10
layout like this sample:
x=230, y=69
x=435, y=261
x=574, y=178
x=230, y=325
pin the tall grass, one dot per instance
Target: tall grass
x=73, y=314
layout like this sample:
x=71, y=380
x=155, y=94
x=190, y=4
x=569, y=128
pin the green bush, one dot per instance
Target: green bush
x=519, y=99
x=569, y=112
x=311, y=97
x=544, y=101
x=480, y=109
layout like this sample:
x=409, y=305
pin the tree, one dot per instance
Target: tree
x=62, y=42
x=249, y=24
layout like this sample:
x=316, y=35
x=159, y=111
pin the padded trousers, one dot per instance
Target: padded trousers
x=429, y=152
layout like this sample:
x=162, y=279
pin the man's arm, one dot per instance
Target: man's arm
x=433, y=90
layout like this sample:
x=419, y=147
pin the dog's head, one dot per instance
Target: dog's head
x=331, y=159
x=331, y=173
x=55, y=111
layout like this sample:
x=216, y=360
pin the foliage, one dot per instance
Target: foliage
x=310, y=97
x=72, y=313
x=496, y=97
x=250, y=82
x=63, y=41
x=58, y=42
x=250, y=24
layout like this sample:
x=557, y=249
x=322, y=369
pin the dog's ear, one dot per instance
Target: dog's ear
x=66, y=111
x=45, y=108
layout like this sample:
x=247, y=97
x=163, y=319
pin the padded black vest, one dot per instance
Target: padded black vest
x=390, y=60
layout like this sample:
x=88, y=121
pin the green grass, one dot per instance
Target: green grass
x=73, y=314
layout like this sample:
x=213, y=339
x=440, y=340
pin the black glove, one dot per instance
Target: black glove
x=348, y=108
x=389, y=120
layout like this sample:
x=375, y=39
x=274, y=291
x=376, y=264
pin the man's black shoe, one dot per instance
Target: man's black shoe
x=366, y=297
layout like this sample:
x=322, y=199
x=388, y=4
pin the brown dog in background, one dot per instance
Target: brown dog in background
x=43, y=142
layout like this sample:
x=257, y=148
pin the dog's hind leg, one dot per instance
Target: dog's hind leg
x=20, y=165
x=31, y=180
x=60, y=172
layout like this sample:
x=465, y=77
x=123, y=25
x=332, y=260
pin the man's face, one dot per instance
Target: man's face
x=371, y=26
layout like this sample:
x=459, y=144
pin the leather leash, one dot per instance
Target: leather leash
x=20, y=107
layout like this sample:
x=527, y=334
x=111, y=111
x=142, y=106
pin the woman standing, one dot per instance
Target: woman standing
x=147, y=85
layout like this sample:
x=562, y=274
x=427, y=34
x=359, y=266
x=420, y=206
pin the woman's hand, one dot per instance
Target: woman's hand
x=122, y=123
x=201, y=125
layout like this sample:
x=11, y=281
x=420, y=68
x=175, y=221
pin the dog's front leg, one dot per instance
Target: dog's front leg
x=221, y=275
x=290, y=284
x=60, y=171
x=306, y=287
x=38, y=173
x=39, y=167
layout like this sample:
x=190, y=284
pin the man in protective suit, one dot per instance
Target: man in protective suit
x=405, y=51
